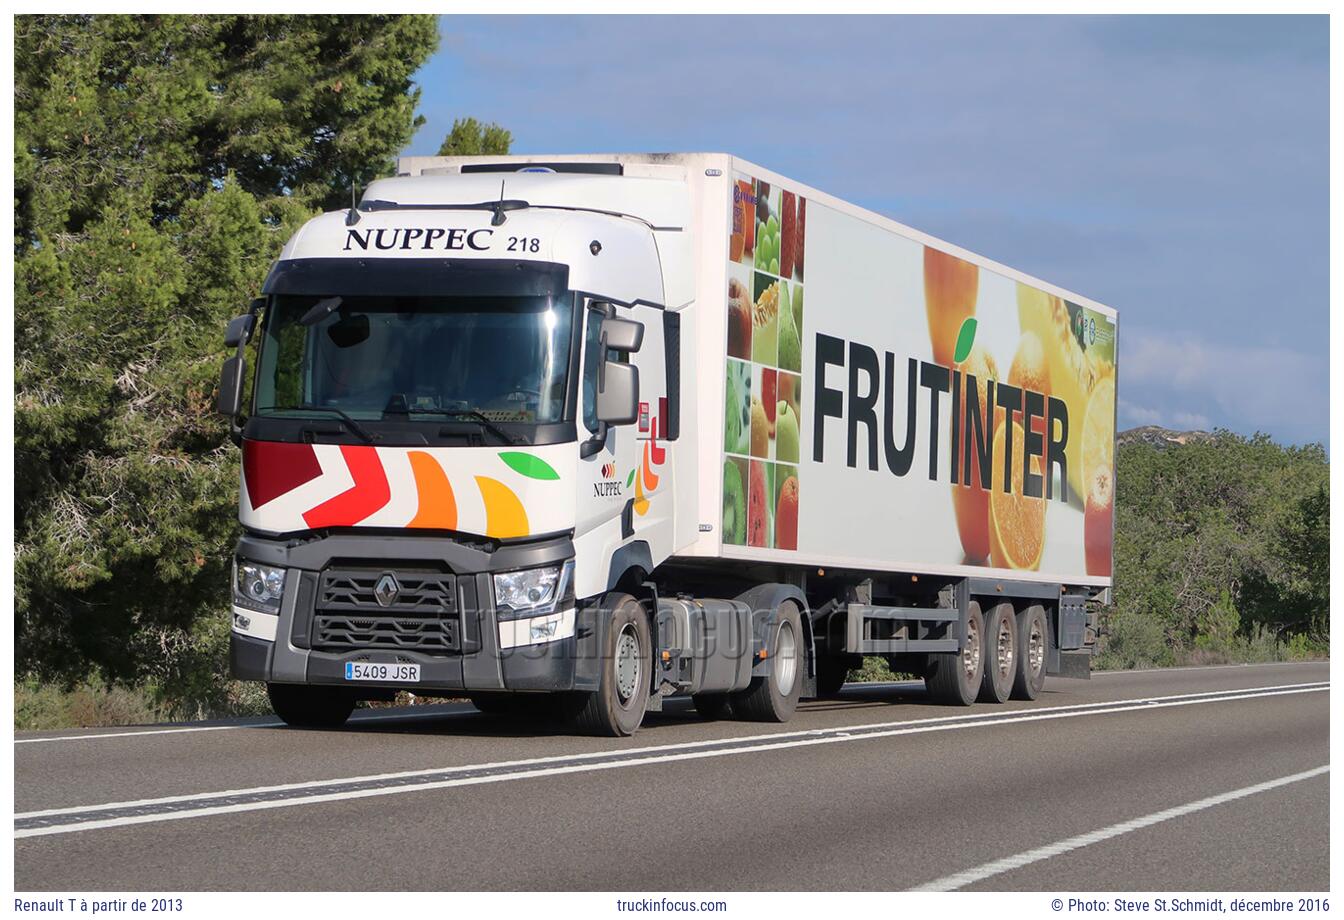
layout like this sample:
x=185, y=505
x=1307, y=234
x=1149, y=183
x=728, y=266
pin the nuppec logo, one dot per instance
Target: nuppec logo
x=611, y=488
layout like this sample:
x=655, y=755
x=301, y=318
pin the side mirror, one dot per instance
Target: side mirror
x=623, y=335
x=230, y=400
x=239, y=330
x=618, y=394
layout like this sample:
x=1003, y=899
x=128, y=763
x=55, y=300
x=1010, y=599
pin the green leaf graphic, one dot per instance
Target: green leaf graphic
x=528, y=465
x=630, y=480
x=965, y=339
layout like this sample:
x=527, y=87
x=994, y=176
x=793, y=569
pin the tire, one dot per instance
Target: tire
x=1033, y=643
x=1000, y=655
x=712, y=706
x=774, y=697
x=304, y=706
x=831, y=673
x=617, y=707
x=953, y=678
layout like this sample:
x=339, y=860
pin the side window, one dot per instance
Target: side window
x=592, y=333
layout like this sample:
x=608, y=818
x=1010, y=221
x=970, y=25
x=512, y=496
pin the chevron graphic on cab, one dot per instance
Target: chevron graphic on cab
x=494, y=493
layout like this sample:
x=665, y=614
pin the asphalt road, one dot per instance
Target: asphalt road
x=1192, y=779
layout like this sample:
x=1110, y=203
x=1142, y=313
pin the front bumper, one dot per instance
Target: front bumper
x=488, y=651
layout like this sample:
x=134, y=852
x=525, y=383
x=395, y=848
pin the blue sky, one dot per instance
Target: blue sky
x=1172, y=167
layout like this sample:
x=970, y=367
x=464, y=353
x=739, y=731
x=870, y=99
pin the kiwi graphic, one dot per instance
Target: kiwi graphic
x=734, y=505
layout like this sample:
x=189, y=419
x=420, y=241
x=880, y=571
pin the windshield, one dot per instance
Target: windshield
x=407, y=357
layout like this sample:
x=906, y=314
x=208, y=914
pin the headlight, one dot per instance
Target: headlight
x=257, y=587
x=528, y=588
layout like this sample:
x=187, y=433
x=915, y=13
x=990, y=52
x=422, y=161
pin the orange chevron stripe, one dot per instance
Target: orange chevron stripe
x=438, y=505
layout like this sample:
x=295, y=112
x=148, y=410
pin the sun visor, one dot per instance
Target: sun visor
x=418, y=277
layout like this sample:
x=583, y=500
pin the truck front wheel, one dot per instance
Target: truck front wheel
x=617, y=706
x=953, y=678
x=310, y=706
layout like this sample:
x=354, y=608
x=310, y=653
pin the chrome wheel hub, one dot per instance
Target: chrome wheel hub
x=627, y=662
x=786, y=658
x=970, y=653
x=1036, y=648
x=1005, y=648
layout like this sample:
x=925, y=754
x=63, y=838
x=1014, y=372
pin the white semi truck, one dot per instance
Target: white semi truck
x=579, y=433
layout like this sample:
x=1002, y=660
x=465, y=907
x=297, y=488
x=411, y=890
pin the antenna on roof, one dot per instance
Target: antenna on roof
x=352, y=217
x=500, y=217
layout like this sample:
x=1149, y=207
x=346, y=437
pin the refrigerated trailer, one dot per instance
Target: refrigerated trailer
x=575, y=434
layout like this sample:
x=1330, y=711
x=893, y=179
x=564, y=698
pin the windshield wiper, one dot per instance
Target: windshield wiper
x=478, y=417
x=350, y=423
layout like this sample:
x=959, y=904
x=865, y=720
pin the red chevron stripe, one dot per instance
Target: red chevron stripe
x=369, y=493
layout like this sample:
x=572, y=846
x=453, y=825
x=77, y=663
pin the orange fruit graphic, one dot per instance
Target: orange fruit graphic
x=1097, y=517
x=1098, y=425
x=1031, y=371
x=950, y=289
x=971, y=503
x=1016, y=521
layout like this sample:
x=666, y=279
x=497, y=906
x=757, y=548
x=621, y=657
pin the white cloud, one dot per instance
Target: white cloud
x=1194, y=383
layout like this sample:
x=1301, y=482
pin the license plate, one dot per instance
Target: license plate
x=392, y=673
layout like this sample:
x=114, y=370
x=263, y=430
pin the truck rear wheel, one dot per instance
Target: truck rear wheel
x=1001, y=644
x=617, y=706
x=305, y=706
x=953, y=678
x=774, y=697
x=1033, y=644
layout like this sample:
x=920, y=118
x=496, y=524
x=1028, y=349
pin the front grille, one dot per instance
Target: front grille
x=422, y=616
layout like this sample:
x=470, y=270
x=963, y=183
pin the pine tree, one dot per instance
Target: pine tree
x=160, y=164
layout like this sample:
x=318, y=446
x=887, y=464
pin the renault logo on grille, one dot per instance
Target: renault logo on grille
x=387, y=590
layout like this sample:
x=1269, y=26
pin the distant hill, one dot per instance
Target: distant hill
x=1160, y=437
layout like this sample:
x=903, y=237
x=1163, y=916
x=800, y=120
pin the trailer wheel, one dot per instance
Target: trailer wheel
x=953, y=678
x=1033, y=646
x=712, y=706
x=1001, y=645
x=774, y=697
x=304, y=706
x=617, y=706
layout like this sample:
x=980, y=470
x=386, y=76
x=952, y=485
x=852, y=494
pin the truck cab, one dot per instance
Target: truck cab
x=460, y=408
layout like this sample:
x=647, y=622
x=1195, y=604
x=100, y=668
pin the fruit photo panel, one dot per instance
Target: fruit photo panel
x=763, y=387
x=786, y=507
x=740, y=304
x=789, y=353
x=767, y=251
x=766, y=296
x=742, y=236
x=735, y=475
x=737, y=416
x=760, y=506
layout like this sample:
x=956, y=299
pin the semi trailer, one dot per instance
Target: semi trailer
x=576, y=434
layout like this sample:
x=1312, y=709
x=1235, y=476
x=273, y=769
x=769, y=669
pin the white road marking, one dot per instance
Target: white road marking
x=999, y=866
x=535, y=768
x=812, y=733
